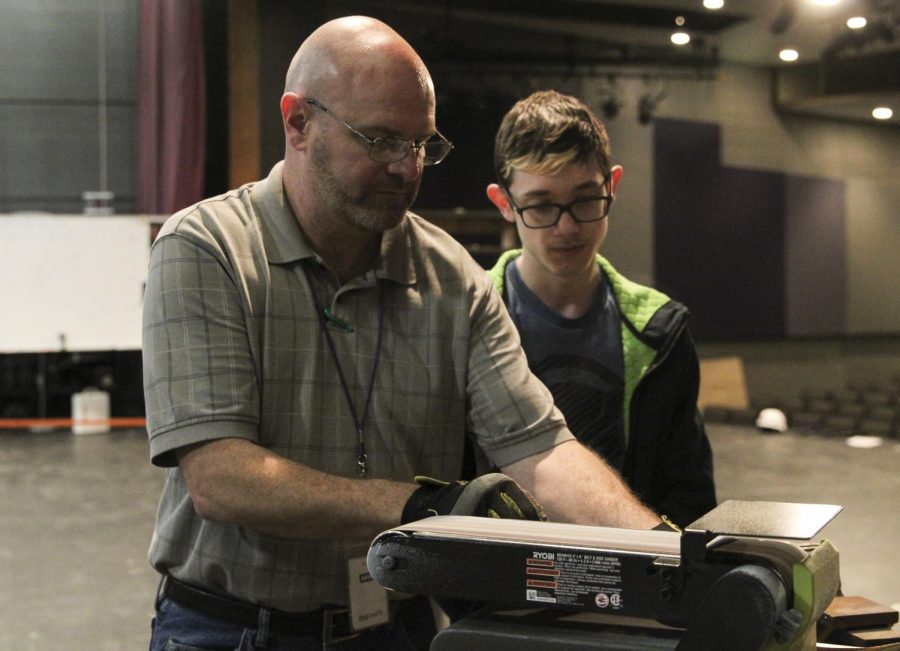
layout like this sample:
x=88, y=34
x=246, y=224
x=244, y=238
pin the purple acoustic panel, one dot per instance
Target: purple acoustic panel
x=719, y=235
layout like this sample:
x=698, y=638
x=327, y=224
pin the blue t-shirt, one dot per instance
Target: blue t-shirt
x=579, y=360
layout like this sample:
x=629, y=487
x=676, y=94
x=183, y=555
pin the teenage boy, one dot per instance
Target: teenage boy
x=617, y=356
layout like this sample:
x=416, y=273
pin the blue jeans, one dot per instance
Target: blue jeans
x=176, y=628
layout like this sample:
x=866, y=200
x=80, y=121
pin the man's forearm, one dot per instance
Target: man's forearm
x=575, y=485
x=237, y=481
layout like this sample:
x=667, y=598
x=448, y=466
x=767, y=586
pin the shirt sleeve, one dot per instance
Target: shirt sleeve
x=512, y=414
x=199, y=378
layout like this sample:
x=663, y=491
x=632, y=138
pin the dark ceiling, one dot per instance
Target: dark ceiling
x=631, y=36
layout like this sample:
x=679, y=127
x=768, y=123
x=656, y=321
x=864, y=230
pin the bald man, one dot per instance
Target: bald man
x=310, y=346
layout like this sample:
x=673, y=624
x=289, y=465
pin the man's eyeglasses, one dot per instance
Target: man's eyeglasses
x=545, y=215
x=386, y=149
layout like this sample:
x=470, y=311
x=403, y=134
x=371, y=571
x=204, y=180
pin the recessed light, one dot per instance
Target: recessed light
x=681, y=38
x=788, y=55
x=856, y=22
x=882, y=113
x=713, y=4
x=825, y=3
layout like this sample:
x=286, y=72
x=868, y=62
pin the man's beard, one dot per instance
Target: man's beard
x=356, y=210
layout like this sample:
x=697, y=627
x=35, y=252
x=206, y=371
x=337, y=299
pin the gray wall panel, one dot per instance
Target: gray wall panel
x=873, y=242
x=121, y=50
x=50, y=97
x=40, y=167
x=49, y=50
x=815, y=257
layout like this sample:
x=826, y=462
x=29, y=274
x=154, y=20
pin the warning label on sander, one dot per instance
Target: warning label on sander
x=574, y=579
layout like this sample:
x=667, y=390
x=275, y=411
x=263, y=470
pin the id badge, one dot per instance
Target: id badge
x=368, y=599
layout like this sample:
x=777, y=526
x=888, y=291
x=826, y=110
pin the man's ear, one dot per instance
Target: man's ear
x=499, y=198
x=295, y=116
x=615, y=175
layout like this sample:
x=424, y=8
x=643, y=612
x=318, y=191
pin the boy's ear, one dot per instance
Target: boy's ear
x=499, y=198
x=615, y=175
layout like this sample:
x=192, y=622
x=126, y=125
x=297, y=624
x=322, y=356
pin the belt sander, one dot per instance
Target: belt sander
x=741, y=577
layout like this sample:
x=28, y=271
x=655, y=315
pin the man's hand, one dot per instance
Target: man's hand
x=494, y=496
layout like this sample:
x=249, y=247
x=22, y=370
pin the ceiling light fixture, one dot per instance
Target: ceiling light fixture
x=681, y=38
x=882, y=113
x=856, y=22
x=789, y=55
x=713, y=4
x=825, y=3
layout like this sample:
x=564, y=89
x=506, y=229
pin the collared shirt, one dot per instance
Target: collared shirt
x=233, y=348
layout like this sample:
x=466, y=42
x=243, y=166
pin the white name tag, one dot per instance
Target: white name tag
x=368, y=600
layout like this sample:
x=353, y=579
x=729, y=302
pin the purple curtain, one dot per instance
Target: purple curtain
x=171, y=106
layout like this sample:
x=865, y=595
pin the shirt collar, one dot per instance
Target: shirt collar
x=282, y=237
x=395, y=261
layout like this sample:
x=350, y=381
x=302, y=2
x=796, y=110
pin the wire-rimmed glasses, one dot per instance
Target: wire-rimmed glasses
x=386, y=149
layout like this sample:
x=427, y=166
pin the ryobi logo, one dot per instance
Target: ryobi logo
x=548, y=556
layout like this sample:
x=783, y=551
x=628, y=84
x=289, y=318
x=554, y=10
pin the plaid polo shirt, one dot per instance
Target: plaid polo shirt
x=233, y=347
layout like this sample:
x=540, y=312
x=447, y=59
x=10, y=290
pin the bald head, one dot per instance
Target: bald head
x=353, y=74
x=351, y=53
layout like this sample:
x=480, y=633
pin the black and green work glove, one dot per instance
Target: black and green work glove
x=492, y=496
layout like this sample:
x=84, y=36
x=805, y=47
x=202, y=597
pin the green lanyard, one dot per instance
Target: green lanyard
x=325, y=315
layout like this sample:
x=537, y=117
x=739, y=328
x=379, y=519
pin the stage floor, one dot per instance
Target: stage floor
x=77, y=514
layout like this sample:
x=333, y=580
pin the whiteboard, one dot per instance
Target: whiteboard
x=72, y=282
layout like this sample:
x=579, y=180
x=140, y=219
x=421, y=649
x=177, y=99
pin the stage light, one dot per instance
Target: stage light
x=647, y=107
x=611, y=102
x=645, y=111
x=610, y=107
x=788, y=55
